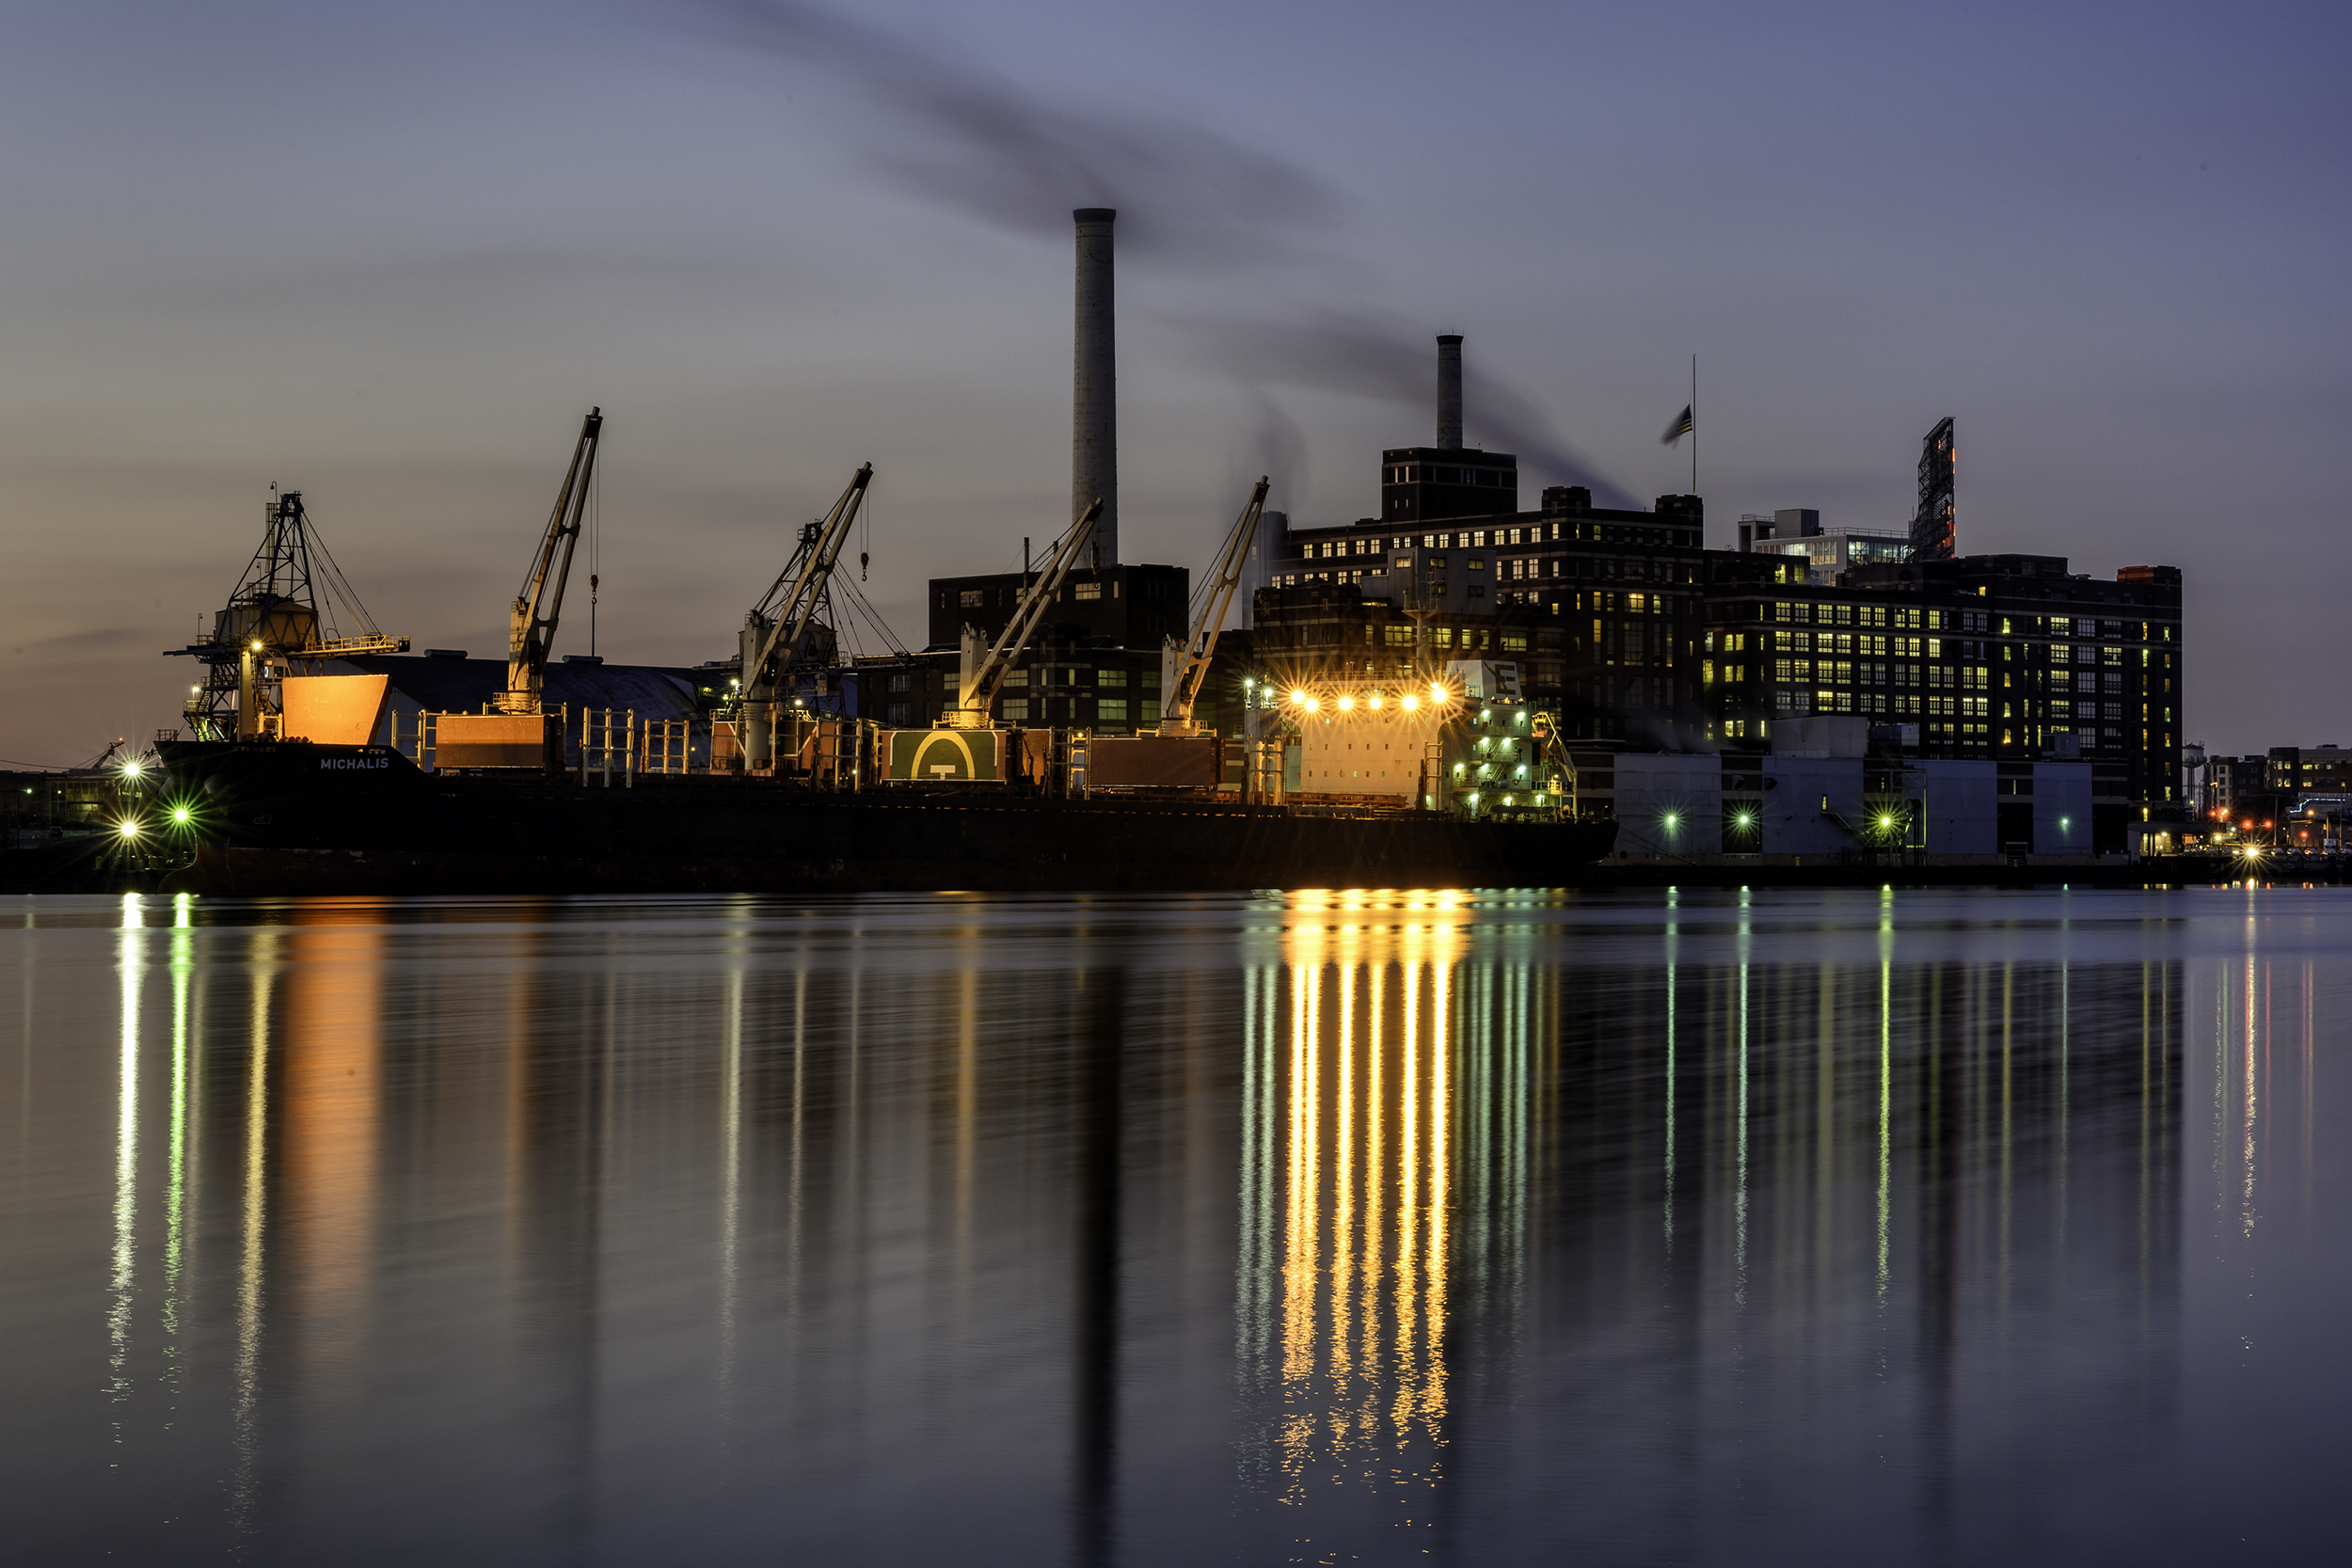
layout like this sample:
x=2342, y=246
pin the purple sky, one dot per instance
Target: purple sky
x=390, y=255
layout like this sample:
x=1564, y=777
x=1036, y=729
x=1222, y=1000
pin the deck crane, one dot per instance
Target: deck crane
x=1184, y=668
x=779, y=630
x=984, y=672
x=783, y=618
x=531, y=626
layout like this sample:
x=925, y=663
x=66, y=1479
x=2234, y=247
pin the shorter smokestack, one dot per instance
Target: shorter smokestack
x=1449, y=390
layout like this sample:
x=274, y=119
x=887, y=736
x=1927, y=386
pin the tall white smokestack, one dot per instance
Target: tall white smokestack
x=1449, y=390
x=1094, y=384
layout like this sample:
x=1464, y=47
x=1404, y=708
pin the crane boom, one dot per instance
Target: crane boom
x=976, y=692
x=808, y=589
x=531, y=625
x=1181, y=686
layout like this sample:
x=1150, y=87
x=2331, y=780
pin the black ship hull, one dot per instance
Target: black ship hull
x=274, y=818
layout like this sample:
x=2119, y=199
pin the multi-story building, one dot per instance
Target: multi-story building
x=2007, y=657
x=1600, y=607
x=1639, y=639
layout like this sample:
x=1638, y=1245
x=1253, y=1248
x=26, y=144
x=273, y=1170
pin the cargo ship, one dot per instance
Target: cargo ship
x=286, y=817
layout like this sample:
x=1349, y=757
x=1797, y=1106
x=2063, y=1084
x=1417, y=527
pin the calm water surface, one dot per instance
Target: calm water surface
x=1321, y=1228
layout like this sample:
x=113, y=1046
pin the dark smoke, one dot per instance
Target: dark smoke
x=975, y=142
x=1278, y=451
x=1368, y=356
x=969, y=140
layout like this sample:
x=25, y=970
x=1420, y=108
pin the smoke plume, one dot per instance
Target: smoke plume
x=1367, y=356
x=956, y=135
x=967, y=139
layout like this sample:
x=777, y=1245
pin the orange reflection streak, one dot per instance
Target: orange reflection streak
x=1343, y=1217
x=1302, y=1212
x=1408, y=1201
x=1366, y=1417
x=1373, y=1124
x=331, y=1089
x=1432, y=1399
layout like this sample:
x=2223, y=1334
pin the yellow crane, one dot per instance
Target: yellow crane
x=531, y=625
x=984, y=672
x=1184, y=667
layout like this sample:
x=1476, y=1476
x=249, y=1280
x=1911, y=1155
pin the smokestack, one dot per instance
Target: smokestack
x=1094, y=384
x=1449, y=390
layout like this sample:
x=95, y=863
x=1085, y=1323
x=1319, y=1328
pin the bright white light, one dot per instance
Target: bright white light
x=1410, y=704
x=129, y=830
x=1437, y=692
x=1300, y=696
x=1347, y=705
x=130, y=769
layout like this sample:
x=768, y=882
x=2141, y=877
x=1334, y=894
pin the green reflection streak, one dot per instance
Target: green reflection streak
x=1886, y=1089
x=131, y=970
x=1672, y=943
x=1740, y=1191
x=175, y=1197
x=246, y=1375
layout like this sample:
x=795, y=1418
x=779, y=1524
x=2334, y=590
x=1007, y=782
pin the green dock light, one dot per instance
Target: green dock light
x=180, y=816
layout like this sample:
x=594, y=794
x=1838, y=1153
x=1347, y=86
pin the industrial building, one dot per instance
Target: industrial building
x=1642, y=642
x=1922, y=700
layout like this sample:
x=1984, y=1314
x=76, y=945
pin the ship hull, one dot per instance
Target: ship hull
x=296, y=819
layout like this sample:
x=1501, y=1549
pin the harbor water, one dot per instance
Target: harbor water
x=1660, y=1226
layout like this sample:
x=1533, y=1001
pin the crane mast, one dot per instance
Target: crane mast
x=531, y=626
x=798, y=607
x=983, y=672
x=1184, y=669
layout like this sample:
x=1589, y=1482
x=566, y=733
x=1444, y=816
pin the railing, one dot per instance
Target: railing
x=412, y=736
x=667, y=746
x=344, y=647
x=605, y=741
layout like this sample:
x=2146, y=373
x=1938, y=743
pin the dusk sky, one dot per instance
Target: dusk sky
x=390, y=256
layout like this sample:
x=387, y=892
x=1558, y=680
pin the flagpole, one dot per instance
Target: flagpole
x=1694, y=424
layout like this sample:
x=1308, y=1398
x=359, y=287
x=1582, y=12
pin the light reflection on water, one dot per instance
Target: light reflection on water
x=1316, y=1228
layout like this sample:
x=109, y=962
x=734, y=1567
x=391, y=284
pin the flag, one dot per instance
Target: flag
x=1683, y=425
